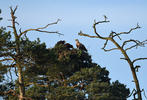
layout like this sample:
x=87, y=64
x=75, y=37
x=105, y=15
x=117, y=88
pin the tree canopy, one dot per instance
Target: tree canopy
x=59, y=73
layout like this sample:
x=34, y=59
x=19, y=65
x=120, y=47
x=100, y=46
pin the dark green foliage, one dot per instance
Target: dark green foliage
x=65, y=93
x=119, y=89
x=36, y=93
x=4, y=39
x=58, y=73
x=68, y=74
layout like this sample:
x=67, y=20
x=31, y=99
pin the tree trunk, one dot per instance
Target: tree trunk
x=136, y=81
x=131, y=67
x=21, y=83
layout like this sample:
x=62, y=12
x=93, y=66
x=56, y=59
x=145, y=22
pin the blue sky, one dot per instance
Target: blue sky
x=79, y=15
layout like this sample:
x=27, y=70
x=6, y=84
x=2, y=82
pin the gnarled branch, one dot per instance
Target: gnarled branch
x=95, y=31
x=106, y=50
x=137, y=43
x=40, y=29
x=82, y=34
x=14, y=20
x=132, y=29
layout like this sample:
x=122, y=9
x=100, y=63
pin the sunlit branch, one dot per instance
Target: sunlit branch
x=113, y=34
x=139, y=59
x=137, y=27
x=95, y=31
x=137, y=43
x=128, y=41
x=82, y=34
x=106, y=50
x=49, y=32
x=14, y=20
x=40, y=29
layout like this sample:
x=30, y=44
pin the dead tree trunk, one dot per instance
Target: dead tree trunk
x=18, y=35
x=126, y=57
x=123, y=50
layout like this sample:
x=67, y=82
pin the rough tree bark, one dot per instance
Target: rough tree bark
x=123, y=50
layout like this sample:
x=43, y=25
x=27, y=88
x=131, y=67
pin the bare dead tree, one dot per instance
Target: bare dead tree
x=123, y=48
x=15, y=60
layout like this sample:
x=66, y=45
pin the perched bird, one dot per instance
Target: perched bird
x=80, y=45
x=68, y=46
x=60, y=42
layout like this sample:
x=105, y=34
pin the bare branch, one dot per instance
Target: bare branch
x=137, y=43
x=137, y=27
x=131, y=93
x=13, y=20
x=144, y=94
x=10, y=26
x=112, y=35
x=14, y=9
x=106, y=50
x=125, y=42
x=137, y=67
x=95, y=31
x=82, y=34
x=17, y=23
x=40, y=29
x=138, y=59
x=124, y=58
x=105, y=44
x=49, y=32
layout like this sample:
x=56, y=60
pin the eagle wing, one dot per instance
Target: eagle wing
x=82, y=47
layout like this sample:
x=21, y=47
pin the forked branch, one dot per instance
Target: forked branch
x=137, y=43
x=132, y=29
x=40, y=29
x=95, y=31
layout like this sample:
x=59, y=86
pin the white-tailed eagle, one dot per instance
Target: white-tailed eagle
x=80, y=45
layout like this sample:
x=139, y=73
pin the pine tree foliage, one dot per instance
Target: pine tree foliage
x=60, y=73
